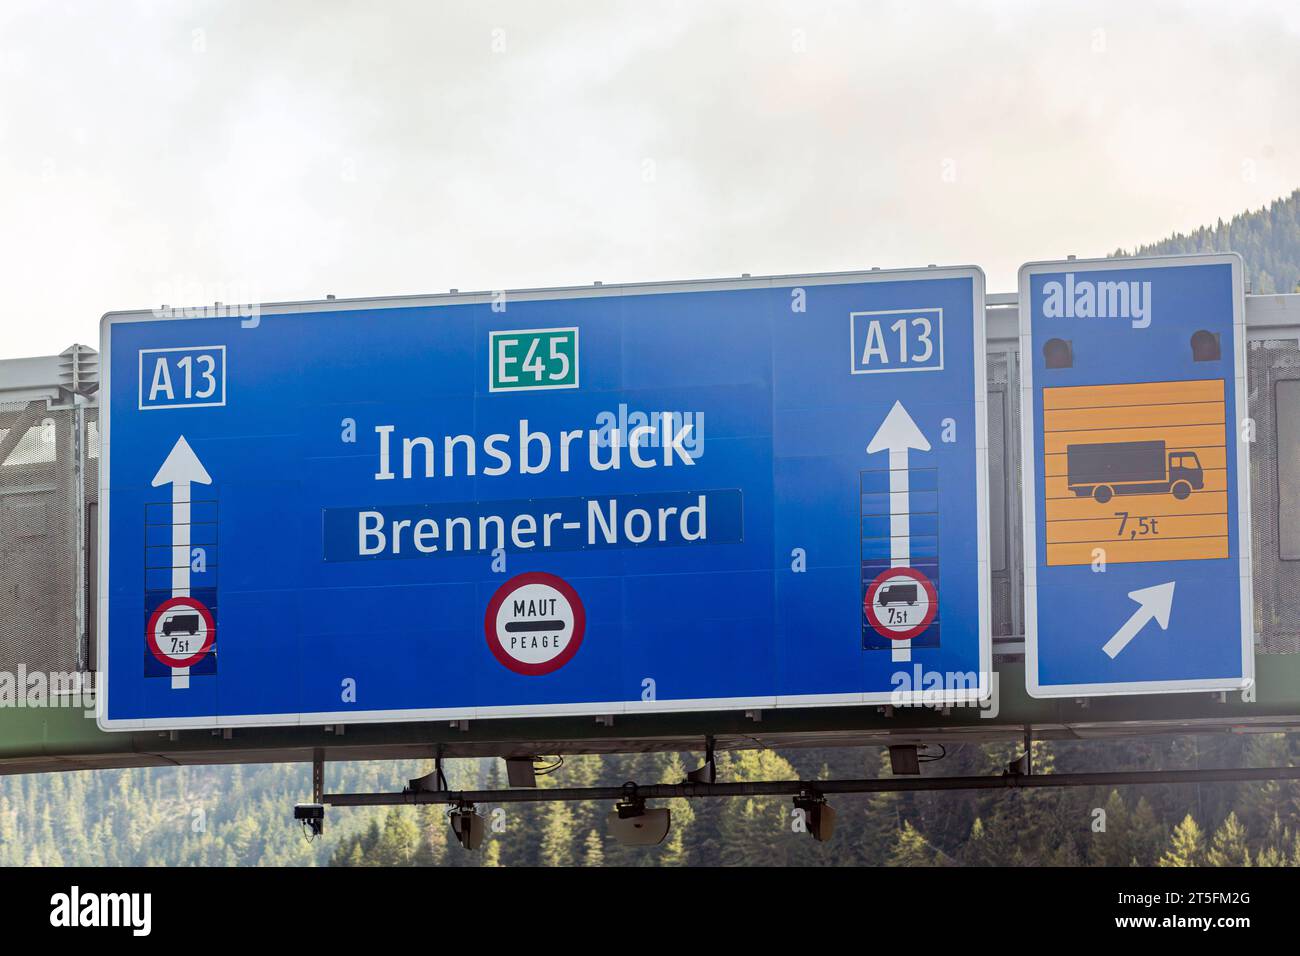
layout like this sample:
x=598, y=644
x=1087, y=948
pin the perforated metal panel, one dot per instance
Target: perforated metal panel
x=90, y=465
x=39, y=539
x=1004, y=495
x=1277, y=580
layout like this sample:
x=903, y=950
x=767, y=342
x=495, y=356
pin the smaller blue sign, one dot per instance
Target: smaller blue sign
x=1137, y=511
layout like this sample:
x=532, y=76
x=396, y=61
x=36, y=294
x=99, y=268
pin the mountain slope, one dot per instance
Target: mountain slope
x=1268, y=239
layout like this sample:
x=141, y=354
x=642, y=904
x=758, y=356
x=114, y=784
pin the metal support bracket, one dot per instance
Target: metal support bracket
x=1023, y=766
x=318, y=775
x=822, y=788
x=708, y=772
x=432, y=782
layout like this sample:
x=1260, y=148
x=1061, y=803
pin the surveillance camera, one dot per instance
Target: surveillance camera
x=819, y=817
x=644, y=828
x=468, y=827
x=311, y=816
x=822, y=823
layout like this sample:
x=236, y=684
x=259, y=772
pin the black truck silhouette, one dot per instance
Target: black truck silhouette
x=1131, y=468
x=182, y=624
x=896, y=594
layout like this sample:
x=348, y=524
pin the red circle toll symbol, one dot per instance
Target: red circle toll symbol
x=887, y=578
x=209, y=624
x=565, y=618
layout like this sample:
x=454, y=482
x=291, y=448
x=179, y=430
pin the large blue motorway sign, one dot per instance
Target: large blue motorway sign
x=755, y=493
x=1134, y=434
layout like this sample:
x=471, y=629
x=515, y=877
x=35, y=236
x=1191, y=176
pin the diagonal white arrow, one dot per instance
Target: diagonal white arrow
x=898, y=433
x=181, y=469
x=1154, y=603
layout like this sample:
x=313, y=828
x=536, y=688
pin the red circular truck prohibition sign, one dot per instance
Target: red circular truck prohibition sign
x=534, y=623
x=181, y=631
x=900, y=603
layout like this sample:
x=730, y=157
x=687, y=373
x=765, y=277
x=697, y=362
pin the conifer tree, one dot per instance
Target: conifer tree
x=1186, y=846
x=557, y=845
x=593, y=853
x=1228, y=847
x=910, y=848
x=398, y=840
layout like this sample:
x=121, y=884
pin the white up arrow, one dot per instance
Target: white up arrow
x=181, y=469
x=1153, y=603
x=898, y=433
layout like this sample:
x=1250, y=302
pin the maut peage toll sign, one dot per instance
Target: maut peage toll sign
x=745, y=493
x=1135, y=432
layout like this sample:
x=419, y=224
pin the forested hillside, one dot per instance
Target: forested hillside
x=1268, y=239
x=1257, y=824
x=229, y=816
x=242, y=815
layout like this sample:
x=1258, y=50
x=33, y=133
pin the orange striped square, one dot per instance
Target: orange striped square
x=1135, y=472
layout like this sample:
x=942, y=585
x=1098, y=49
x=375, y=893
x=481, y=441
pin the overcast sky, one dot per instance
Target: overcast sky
x=180, y=153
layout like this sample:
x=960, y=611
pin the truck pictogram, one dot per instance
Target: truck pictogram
x=181, y=624
x=1100, y=471
x=896, y=594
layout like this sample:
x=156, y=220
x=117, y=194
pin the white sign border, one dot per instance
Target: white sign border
x=1028, y=463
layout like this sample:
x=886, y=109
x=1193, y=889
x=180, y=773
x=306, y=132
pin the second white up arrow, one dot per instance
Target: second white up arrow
x=898, y=433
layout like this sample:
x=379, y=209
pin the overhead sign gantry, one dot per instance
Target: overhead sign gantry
x=1134, y=434
x=756, y=493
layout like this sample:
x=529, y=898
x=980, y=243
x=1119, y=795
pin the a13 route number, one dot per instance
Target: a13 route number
x=183, y=377
x=897, y=341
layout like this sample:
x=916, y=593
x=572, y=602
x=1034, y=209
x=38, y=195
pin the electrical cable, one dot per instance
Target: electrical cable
x=931, y=758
